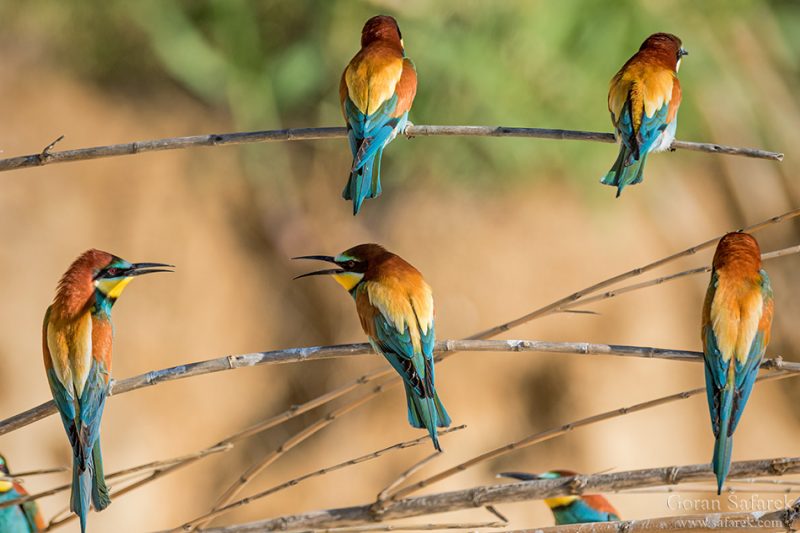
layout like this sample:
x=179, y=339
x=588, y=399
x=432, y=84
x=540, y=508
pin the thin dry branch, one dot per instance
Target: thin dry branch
x=48, y=156
x=516, y=492
x=19, y=477
x=292, y=482
x=155, y=466
x=562, y=304
x=470, y=526
x=549, y=434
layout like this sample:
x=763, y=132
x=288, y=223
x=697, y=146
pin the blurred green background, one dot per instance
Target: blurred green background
x=498, y=227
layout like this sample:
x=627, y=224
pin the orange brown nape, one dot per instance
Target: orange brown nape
x=76, y=287
x=664, y=49
x=381, y=28
x=738, y=250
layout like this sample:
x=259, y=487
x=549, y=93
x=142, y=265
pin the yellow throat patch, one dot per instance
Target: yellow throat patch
x=348, y=280
x=112, y=288
x=559, y=501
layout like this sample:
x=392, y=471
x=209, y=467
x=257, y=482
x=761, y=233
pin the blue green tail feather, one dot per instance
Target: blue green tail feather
x=626, y=170
x=426, y=413
x=100, y=496
x=723, y=446
x=81, y=491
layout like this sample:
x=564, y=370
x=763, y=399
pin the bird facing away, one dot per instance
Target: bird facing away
x=571, y=509
x=24, y=518
x=376, y=92
x=737, y=316
x=395, y=307
x=643, y=98
x=77, y=342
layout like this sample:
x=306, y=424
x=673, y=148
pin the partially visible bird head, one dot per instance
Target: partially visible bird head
x=666, y=46
x=99, y=273
x=381, y=28
x=556, y=501
x=738, y=250
x=5, y=484
x=352, y=264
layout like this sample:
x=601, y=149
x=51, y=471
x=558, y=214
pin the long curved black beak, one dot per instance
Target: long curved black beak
x=522, y=476
x=137, y=269
x=327, y=271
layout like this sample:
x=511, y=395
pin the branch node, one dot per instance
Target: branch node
x=45, y=154
x=577, y=485
x=672, y=475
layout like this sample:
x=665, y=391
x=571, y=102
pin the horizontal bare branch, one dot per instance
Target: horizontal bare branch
x=517, y=492
x=48, y=156
x=468, y=526
x=313, y=353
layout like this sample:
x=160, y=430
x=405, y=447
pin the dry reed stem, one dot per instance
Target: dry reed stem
x=47, y=156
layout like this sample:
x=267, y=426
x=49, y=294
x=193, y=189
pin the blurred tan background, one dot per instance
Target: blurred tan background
x=498, y=227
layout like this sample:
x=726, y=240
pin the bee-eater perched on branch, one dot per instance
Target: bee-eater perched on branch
x=395, y=307
x=24, y=518
x=77, y=342
x=376, y=92
x=571, y=509
x=643, y=98
x=737, y=316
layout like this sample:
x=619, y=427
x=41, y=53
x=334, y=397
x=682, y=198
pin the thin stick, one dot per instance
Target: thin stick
x=557, y=432
x=292, y=482
x=386, y=492
x=19, y=477
x=710, y=489
x=153, y=466
x=47, y=156
x=386, y=527
x=560, y=304
x=482, y=496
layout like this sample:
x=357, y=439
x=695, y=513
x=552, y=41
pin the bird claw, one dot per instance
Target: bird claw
x=405, y=130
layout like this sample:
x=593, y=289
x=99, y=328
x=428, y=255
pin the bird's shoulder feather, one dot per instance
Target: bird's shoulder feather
x=372, y=76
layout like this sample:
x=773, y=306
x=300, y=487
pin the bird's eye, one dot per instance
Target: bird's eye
x=350, y=265
x=112, y=272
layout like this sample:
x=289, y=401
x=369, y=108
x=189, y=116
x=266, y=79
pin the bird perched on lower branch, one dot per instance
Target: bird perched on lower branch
x=395, y=307
x=376, y=92
x=77, y=342
x=737, y=317
x=571, y=509
x=643, y=99
x=24, y=518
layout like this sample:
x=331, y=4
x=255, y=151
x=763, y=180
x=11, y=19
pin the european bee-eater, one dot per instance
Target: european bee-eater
x=643, y=98
x=571, y=509
x=395, y=307
x=77, y=342
x=737, y=316
x=24, y=518
x=376, y=92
